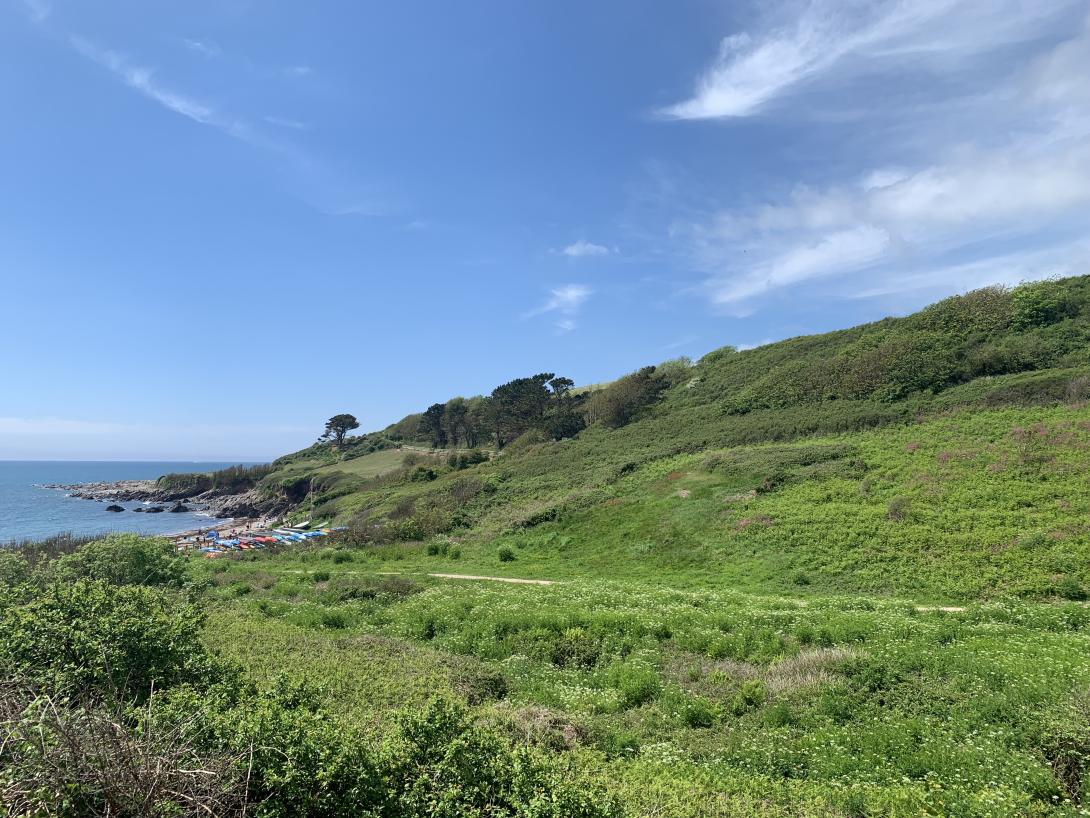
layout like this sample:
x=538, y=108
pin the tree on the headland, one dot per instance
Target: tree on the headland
x=431, y=423
x=518, y=405
x=454, y=422
x=544, y=401
x=562, y=419
x=338, y=426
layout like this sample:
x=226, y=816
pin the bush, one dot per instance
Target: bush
x=1040, y=304
x=637, y=683
x=750, y=696
x=348, y=588
x=506, y=554
x=899, y=508
x=321, y=576
x=623, y=400
x=93, y=636
x=14, y=569
x=439, y=763
x=66, y=759
x=699, y=713
x=296, y=760
x=1069, y=587
x=123, y=559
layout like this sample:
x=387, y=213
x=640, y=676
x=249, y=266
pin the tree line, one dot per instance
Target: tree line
x=546, y=404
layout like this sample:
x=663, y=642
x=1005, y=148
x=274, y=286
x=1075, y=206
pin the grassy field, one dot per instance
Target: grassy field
x=878, y=622
x=843, y=575
x=968, y=505
x=370, y=465
x=692, y=702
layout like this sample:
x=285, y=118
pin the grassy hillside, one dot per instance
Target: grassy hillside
x=936, y=456
x=700, y=703
x=842, y=575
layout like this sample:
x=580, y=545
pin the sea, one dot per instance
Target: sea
x=28, y=511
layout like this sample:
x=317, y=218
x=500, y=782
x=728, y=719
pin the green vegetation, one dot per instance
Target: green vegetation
x=842, y=575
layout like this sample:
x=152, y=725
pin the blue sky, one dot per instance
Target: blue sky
x=222, y=222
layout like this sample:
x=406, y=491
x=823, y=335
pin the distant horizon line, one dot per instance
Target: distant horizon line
x=243, y=460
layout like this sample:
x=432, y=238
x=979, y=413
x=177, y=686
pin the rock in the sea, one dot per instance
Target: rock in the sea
x=154, y=510
x=138, y=510
x=114, y=508
x=179, y=508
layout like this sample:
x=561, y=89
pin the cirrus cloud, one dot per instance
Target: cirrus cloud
x=582, y=248
x=566, y=301
x=1012, y=193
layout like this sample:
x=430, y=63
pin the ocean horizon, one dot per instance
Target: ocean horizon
x=29, y=511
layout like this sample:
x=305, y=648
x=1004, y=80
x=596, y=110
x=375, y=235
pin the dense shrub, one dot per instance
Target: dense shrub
x=295, y=758
x=1040, y=304
x=61, y=759
x=441, y=764
x=93, y=636
x=621, y=401
x=233, y=479
x=123, y=559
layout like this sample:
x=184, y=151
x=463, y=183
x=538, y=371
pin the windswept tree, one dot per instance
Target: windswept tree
x=454, y=421
x=338, y=426
x=562, y=420
x=431, y=424
x=519, y=405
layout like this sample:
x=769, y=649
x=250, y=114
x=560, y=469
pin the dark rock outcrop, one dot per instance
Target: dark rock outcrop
x=114, y=508
x=217, y=503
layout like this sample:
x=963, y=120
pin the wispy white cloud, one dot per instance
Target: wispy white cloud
x=292, y=124
x=205, y=48
x=679, y=343
x=975, y=198
x=325, y=188
x=565, y=301
x=299, y=70
x=1012, y=194
x=752, y=69
x=583, y=248
x=142, y=79
x=1007, y=268
x=835, y=253
x=352, y=209
x=37, y=10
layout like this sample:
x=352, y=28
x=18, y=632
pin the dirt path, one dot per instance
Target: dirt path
x=497, y=579
x=513, y=580
x=802, y=603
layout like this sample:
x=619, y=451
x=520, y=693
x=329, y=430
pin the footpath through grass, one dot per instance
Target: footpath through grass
x=740, y=631
x=700, y=702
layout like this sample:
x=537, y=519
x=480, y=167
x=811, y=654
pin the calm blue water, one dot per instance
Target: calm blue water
x=30, y=512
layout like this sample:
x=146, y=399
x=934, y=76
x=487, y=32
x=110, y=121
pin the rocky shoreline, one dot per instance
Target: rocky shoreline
x=216, y=504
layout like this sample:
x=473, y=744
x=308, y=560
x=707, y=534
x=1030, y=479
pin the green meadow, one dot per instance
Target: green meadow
x=842, y=575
